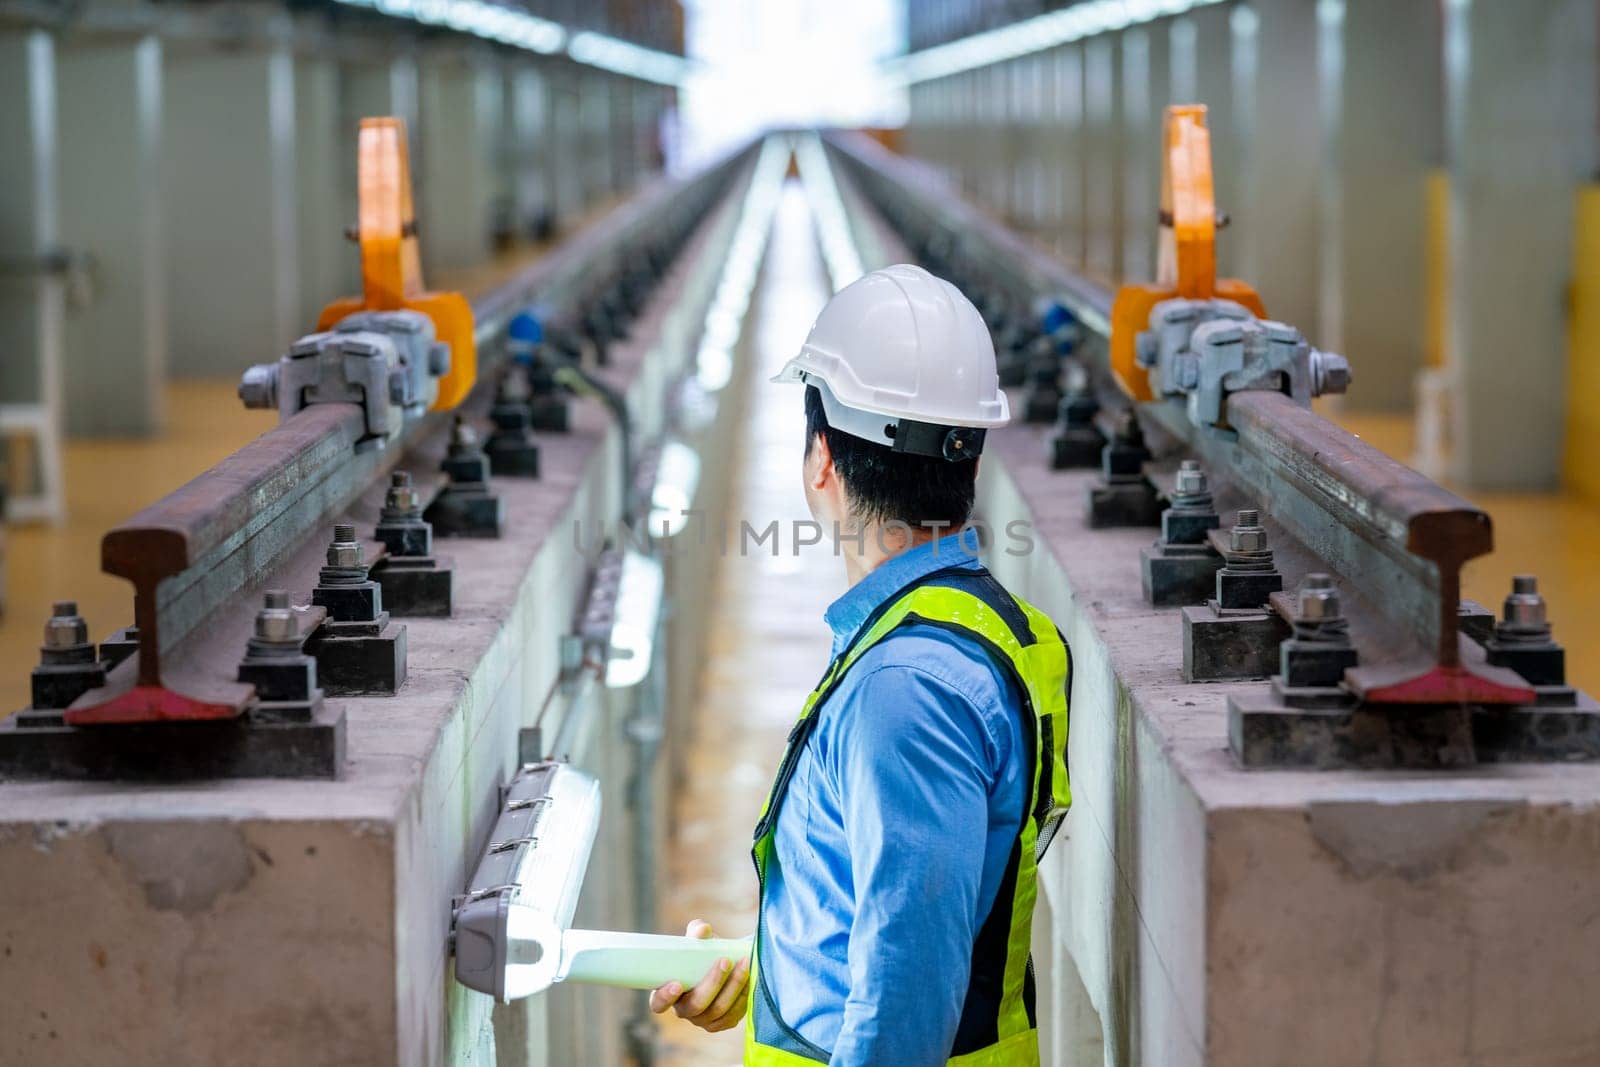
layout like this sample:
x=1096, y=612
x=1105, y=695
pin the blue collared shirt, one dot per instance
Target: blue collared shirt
x=894, y=834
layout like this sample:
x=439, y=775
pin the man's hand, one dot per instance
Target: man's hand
x=718, y=1001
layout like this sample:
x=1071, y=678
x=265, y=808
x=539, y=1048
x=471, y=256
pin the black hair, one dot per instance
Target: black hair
x=882, y=485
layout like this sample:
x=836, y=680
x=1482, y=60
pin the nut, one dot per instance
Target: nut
x=1191, y=478
x=403, y=497
x=1525, y=608
x=1330, y=372
x=1319, y=600
x=65, y=627
x=345, y=551
x=275, y=622
x=1247, y=534
x=259, y=386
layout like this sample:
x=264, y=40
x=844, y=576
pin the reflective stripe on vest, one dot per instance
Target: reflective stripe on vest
x=997, y=1020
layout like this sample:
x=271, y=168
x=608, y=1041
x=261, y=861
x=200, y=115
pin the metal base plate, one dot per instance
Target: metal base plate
x=1178, y=574
x=1230, y=644
x=174, y=751
x=1264, y=732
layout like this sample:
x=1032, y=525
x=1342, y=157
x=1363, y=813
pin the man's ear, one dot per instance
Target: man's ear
x=819, y=464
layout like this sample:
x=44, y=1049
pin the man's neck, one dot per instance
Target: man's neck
x=878, y=545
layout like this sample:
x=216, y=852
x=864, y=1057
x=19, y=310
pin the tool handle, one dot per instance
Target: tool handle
x=643, y=961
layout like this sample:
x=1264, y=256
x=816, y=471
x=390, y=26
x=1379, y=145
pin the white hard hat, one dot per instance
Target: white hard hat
x=902, y=359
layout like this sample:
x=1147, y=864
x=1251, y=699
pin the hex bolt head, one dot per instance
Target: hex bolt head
x=1191, y=478
x=1319, y=600
x=402, y=495
x=1247, y=534
x=345, y=551
x=1525, y=607
x=259, y=386
x=65, y=627
x=275, y=622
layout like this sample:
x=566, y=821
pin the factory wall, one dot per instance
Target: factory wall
x=1335, y=128
x=139, y=163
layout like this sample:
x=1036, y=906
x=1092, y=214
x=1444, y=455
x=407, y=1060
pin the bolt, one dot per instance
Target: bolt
x=1077, y=379
x=1191, y=479
x=1525, y=608
x=259, y=386
x=1247, y=534
x=65, y=627
x=1330, y=372
x=1128, y=430
x=1319, y=600
x=463, y=438
x=275, y=622
x=345, y=551
x=514, y=388
x=403, y=499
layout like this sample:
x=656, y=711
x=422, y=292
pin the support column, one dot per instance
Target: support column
x=330, y=266
x=1072, y=152
x=624, y=150
x=1102, y=70
x=230, y=192
x=1520, y=105
x=594, y=93
x=566, y=160
x=529, y=147
x=32, y=295
x=1382, y=124
x=460, y=118
x=115, y=340
x=1202, y=67
x=1145, y=93
x=1279, y=155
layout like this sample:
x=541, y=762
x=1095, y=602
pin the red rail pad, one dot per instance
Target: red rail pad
x=1413, y=684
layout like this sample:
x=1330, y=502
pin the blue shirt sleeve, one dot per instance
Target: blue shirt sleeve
x=914, y=763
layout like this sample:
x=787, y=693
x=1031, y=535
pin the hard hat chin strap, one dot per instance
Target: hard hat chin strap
x=953, y=443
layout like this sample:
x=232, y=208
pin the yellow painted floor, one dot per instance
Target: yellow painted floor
x=768, y=644
x=106, y=482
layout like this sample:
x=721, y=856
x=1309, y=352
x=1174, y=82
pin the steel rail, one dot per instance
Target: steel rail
x=190, y=554
x=1396, y=535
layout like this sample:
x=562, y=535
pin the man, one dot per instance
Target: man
x=897, y=852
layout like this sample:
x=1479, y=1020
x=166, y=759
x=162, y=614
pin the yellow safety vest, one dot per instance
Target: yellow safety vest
x=998, y=1024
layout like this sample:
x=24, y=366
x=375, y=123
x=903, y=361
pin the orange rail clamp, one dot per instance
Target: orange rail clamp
x=1186, y=264
x=391, y=260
